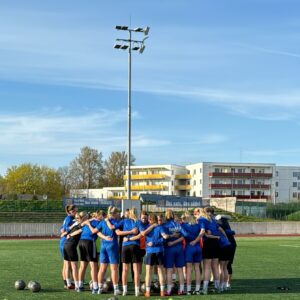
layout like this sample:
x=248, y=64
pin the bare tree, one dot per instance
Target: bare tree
x=86, y=170
x=115, y=167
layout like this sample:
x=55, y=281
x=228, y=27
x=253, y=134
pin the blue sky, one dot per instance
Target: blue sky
x=218, y=81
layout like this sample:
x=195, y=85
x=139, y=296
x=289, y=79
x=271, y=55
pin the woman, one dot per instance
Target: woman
x=71, y=211
x=211, y=233
x=130, y=251
x=173, y=251
x=155, y=236
x=88, y=253
x=70, y=246
x=109, y=252
x=223, y=222
x=192, y=253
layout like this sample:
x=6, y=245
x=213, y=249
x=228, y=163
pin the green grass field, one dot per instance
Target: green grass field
x=261, y=266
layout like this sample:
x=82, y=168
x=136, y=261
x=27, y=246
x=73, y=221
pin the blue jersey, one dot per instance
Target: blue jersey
x=129, y=224
x=155, y=236
x=171, y=227
x=102, y=226
x=68, y=221
x=210, y=225
x=192, y=231
x=86, y=232
x=223, y=241
x=141, y=226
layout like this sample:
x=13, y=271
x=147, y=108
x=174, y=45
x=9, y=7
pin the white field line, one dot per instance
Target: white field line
x=293, y=246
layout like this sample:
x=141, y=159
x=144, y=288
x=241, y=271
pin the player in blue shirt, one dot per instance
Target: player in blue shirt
x=210, y=232
x=174, y=253
x=155, y=236
x=193, y=252
x=71, y=211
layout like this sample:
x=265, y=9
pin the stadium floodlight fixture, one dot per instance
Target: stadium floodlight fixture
x=135, y=48
x=117, y=46
x=118, y=27
x=138, y=29
x=124, y=47
x=146, y=30
x=142, y=48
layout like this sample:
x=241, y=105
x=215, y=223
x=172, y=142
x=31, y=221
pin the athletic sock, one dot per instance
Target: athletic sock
x=205, y=285
x=148, y=289
x=181, y=287
x=95, y=285
x=169, y=288
x=217, y=284
x=162, y=288
x=116, y=287
x=69, y=282
x=100, y=285
x=125, y=288
x=197, y=287
x=137, y=290
x=188, y=287
x=76, y=284
x=80, y=283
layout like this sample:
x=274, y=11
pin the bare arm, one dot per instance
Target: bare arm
x=122, y=233
x=145, y=232
x=104, y=237
x=78, y=231
x=176, y=241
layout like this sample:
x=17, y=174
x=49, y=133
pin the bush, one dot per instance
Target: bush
x=30, y=205
x=294, y=216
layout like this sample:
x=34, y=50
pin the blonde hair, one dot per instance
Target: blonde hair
x=204, y=214
x=132, y=214
x=99, y=213
x=83, y=215
x=111, y=211
x=169, y=214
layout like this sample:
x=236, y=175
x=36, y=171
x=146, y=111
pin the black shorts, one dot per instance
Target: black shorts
x=131, y=254
x=87, y=250
x=210, y=249
x=154, y=259
x=70, y=251
x=225, y=253
x=142, y=252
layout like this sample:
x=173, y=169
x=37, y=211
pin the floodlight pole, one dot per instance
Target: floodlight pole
x=141, y=48
x=129, y=122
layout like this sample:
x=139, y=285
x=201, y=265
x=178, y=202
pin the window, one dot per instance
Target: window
x=276, y=194
x=232, y=170
x=252, y=193
x=217, y=181
x=194, y=182
x=200, y=170
x=195, y=172
x=295, y=184
x=172, y=172
x=233, y=193
x=276, y=183
x=200, y=181
x=200, y=192
x=172, y=182
x=252, y=181
x=241, y=181
x=295, y=195
x=217, y=170
x=252, y=170
x=277, y=173
x=241, y=170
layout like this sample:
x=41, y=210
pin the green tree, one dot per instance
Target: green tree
x=115, y=168
x=86, y=170
x=33, y=179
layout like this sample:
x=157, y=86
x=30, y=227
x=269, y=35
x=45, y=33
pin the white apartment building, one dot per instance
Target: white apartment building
x=245, y=181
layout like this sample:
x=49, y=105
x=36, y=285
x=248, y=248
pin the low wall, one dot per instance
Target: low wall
x=29, y=229
x=268, y=228
x=52, y=229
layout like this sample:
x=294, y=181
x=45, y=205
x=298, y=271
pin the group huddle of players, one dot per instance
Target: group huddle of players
x=198, y=242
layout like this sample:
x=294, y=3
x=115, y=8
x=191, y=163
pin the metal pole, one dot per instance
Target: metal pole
x=129, y=120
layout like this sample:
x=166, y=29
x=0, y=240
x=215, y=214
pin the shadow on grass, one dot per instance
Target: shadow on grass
x=265, y=286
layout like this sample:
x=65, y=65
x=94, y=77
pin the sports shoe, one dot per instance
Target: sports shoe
x=95, y=291
x=167, y=294
x=182, y=293
x=100, y=291
x=203, y=292
x=117, y=293
x=80, y=289
x=189, y=293
x=137, y=294
x=147, y=294
x=196, y=292
x=124, y=293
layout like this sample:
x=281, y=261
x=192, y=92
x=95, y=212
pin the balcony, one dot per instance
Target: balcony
x=239, y=186
x=123, y=197
x=146, y=176
x=183, y=176
x=243, y=197
x=240, y=175
x=183, y=187
x=159, y=187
